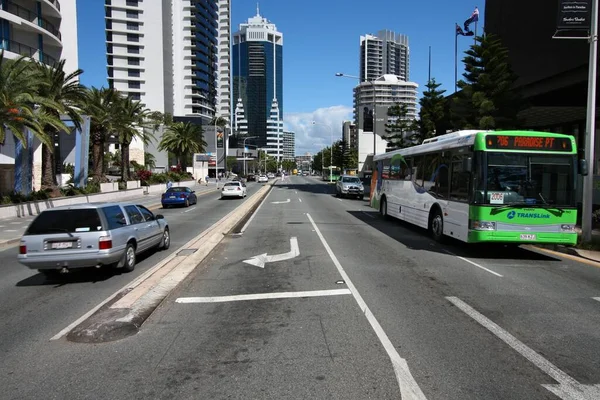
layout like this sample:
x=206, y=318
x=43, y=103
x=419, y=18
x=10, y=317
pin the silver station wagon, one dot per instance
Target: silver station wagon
x=91, y=235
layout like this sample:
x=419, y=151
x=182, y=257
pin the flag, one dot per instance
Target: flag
x=473, y=18
x=459, y=30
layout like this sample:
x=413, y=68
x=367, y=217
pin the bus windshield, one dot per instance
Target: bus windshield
x=532, y=179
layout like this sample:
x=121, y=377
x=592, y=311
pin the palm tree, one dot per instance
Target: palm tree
x=59, y=93
x=17, y=98
x=100, y=106
x=182, y=139
x=149, y=160
x=133, y=121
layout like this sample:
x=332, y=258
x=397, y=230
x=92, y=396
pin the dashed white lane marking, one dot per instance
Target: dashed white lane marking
x=16, y=223
x=474, y=263
x=596, y=298
x=568, y=387
x=409, y=389
x=300, y=200
x=263, y=296
x=10, y=230
x=340, y=199
x=189, y=209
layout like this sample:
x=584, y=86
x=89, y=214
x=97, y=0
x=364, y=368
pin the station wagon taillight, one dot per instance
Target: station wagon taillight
x=105, y=243
x=23, y=249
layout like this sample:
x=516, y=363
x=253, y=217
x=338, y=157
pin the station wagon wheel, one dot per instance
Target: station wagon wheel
x=166, y=240
x=129, y=264
x=187, y=202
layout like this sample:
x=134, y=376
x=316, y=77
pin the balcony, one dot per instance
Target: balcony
x=27, y=51
x=32, y=17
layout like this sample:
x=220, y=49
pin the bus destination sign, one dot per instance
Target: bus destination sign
x=528, y=143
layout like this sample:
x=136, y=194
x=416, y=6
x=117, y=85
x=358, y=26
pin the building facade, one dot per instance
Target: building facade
x=257, y=56
x=304, y=162
x=385, y=53
x=45, y=31
x=371, y=103
x=288, y=151
x=172, y=56
x=350, y=134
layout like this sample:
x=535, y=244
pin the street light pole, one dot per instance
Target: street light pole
x=244, y=154
x=216, y=153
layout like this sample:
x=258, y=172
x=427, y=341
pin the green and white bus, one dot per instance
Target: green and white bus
x=483, y=186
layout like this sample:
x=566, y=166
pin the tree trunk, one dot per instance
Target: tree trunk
x=125, y=161
x=98, y=160
x=48, y=174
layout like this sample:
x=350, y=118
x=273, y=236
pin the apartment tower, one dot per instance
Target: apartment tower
x=258, y=84
x=385, y=53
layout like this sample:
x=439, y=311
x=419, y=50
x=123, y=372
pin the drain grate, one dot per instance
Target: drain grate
x=295, y=223
x=187, y=252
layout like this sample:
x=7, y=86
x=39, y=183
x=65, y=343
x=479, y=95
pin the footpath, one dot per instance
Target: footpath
x=11, y=229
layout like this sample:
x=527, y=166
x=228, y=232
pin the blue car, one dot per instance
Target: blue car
x=178, y=196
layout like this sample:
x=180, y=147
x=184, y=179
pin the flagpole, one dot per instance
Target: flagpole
x=429, y=75
x=455, y=56
x=475, y=36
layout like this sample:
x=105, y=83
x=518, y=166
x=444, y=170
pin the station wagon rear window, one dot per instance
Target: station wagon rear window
x=66, y=221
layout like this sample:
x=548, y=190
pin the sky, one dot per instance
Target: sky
x=321, y=38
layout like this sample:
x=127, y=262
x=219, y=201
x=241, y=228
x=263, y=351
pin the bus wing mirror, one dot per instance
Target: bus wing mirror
x=583, y=167
x=467, y=162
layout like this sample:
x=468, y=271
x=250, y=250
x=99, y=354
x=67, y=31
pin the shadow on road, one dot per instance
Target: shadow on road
x=416, y=238
x=78, y=275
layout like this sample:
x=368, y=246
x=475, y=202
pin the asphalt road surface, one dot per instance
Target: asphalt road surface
x=319, y=298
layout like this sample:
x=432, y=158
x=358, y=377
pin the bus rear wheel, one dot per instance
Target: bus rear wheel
x=436, y=226
x=383, y=208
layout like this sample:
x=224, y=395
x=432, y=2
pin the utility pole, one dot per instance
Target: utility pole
x=590, y=130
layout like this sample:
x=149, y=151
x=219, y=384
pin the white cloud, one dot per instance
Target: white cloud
x=312, y=138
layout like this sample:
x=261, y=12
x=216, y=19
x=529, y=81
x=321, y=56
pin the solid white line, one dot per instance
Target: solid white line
x=9, y=230
x=300, y=200
x=409, y=389
x=340, y=199
x=550, y=369
x=190, y=209
x=475, y=264
x=262, y=296
x=247, y=224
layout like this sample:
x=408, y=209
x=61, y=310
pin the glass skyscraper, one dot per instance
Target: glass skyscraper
x=258, y=84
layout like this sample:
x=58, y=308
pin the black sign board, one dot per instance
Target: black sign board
x=574, y=15
x=528, y=143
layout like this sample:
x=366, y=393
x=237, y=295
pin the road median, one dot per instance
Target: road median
x=125, y=313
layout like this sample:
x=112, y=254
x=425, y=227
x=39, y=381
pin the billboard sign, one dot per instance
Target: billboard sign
x=574, y=15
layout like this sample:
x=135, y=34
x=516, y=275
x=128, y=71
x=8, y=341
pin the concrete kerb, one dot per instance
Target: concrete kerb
x=126, y=312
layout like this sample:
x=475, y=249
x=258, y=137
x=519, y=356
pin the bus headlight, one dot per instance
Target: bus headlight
x=483, y=225
x=567, y=228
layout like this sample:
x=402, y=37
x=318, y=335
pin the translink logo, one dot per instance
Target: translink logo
x=513, y=214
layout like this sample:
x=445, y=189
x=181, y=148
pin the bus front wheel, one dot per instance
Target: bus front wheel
x=436, y=226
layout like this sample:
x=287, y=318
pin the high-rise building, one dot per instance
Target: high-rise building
x=350, y=134
x=288, y=151
x=385, y=53
x=46, y=31
x=371, y=103
x=258, y=83
x=172, y=56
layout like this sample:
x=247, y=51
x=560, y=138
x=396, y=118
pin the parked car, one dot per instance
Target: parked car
x=178, y=196
x=263, y=179
x=348, y=185
x=234, y=189
x=271, y=175
x=91, y=235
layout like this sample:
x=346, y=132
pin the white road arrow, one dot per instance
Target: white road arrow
x=262, y=259
x=567, y=388
x=280, y=202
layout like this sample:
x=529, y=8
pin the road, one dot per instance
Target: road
x=366, y=308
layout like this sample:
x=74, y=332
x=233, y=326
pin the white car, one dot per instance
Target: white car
x=270, y=175
x=234, y=189
x=263, y=178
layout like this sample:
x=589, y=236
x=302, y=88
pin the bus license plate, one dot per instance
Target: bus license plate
x=527, y=236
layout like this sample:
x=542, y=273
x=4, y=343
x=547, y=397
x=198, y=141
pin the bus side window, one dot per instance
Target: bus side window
x=407, y=169
x=459, y=185
x=418, y=170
